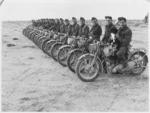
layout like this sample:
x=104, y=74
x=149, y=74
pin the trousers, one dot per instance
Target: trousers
x=121, y=55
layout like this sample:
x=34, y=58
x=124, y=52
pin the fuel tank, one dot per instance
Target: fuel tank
x=69, y=41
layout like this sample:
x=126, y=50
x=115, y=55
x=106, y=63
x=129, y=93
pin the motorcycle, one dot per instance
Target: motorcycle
x=48, y=45
x=74, y=54
x=64, y=50
x=102, y=59
x=60, y=41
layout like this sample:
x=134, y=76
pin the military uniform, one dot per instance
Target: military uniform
x=62, y=28
x=108, y=30
x=124, y=36
x=68, y=29
x=57, y=27
x=84, y=31
x=75, y=30
x=96, y=32
x=52, y=27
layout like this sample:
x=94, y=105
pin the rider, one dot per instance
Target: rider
x=74, y=30
x=74, y=27
x=109, y=28
x=52, y=24
x=46, y=24
x=57, y=26
x=84, y=31
x=124, y=37
x=34, y=23
x=95, y=31
x=62, y=26
x=62, y=30
x=67, y=27
x=67, y=30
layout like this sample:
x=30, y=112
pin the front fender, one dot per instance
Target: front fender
x=64, y=46
x=84, y=55
x=74, y=50
x=58, y=43
x=89, y=54
x=98, y=59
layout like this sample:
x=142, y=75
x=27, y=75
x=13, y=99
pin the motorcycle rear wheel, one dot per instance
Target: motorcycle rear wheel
x=142, y=61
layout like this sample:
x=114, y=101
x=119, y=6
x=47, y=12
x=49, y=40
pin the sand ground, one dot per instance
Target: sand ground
x=31, y=81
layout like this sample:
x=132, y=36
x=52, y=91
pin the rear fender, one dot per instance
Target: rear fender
x=143, y=52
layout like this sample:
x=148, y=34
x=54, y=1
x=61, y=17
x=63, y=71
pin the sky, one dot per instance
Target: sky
x=35, y=9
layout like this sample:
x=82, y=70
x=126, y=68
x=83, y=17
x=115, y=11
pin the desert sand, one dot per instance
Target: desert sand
x=32, y=81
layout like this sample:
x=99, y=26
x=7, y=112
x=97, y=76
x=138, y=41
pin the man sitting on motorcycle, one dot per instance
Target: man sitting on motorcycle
x=95, y=31
x=124, y=36
x=74, y=30
x=62, y=30
x=67, y=30
x=56, y=29
x=75, y=27
x=46, y=24
x=34, y=23
x=84, y=31
x=109, y=28
x=62, y=27
x=57, y=26
x=52, y=25
x=67, y=27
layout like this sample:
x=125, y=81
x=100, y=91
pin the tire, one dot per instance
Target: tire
x=44, y=45
x=23, y=31
x=59, y=57
x=74, y=54
x=31, y=34
x=49, y=46
x=79, y=64
x=54, y=50
x=144, y=63
x=36, y=38
x=41, y=42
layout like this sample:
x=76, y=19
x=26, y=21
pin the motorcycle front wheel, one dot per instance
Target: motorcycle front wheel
x=54, y=50
x=49, y=46
x=63, y=55
x=72, y=59
x=88, y=69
